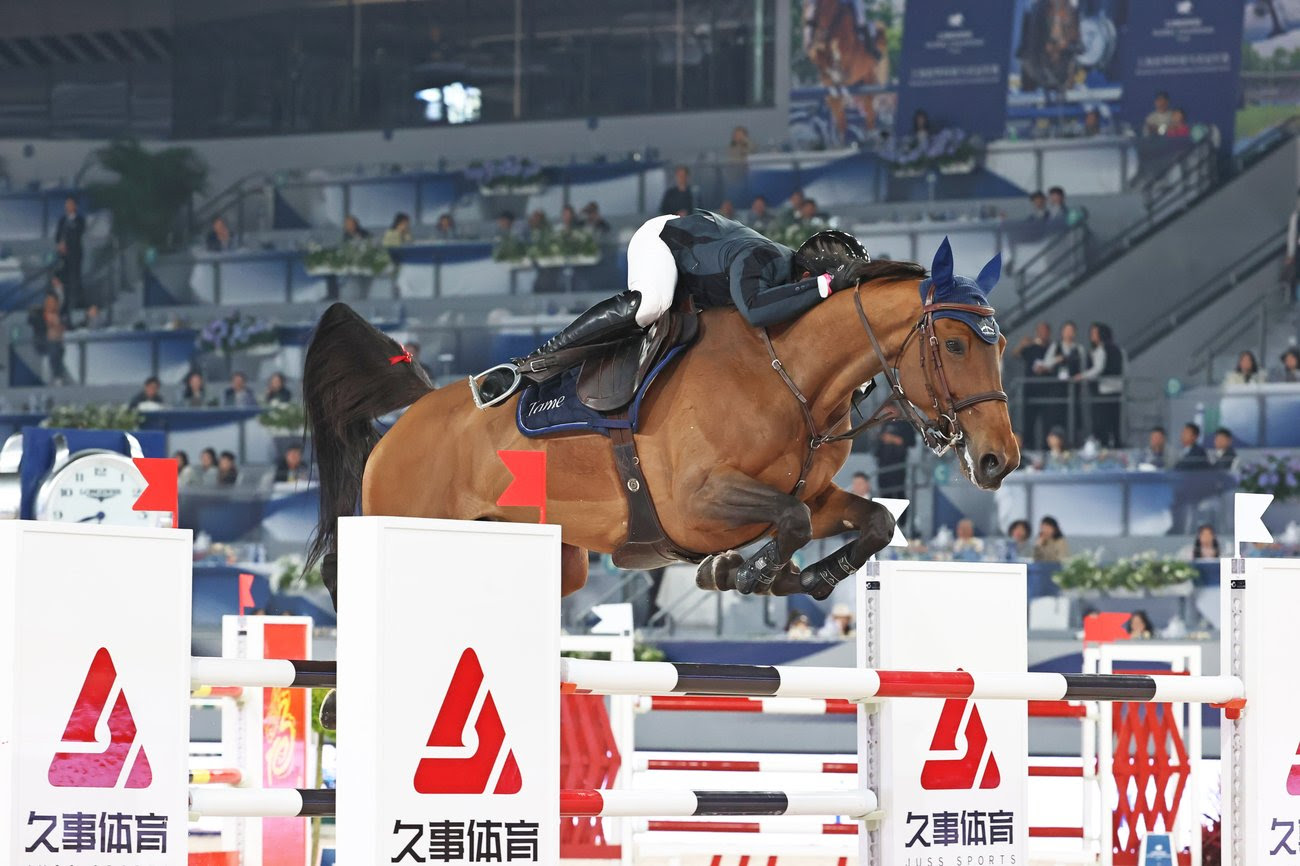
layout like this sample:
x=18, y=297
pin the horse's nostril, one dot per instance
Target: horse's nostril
x=990, y=463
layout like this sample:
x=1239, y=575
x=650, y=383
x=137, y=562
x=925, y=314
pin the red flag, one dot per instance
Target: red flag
x=245, y=592
x=159, y=485
x=1105, y=627
x=529, y=484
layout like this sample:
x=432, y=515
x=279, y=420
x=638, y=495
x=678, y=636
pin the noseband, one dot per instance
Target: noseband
x=939, y=434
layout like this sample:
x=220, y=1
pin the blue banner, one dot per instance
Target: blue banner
x=955, y=55
x=1181, y=59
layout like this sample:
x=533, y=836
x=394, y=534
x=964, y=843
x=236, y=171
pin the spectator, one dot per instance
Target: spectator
x=150, y=396
x=227, y=470
x=352, y=230
x=793, y=206
x=1064, y=360
x=290, y=467
x=1246, y=371
x=219, y=239
x=595, y=222
x=1178, y=127
x=1206, y=545
x=1193, y=456
x=414, y=348
x=679, y=198
x=506, y=227
x=860, y=485
x=1290, y=371
x=896, y=438
x=727, y=209
x=1154, y=455
x=740, y=148
x=1057, y=212
x=1223, y=454
x=1160, y=117
x=96, y=318
x=966, y=545
x=839, y=624
x=1092, y=123
x=68, y=237
x=445, y=228
x=1031, y=351
x=759, y=219
x=921, y=129
x=808, y=213
x=195, y=394
x=1104, y=376
x=797, y=626
x=239, y=394
x=187, y=475
x=1056, y=456
x=49, y=326
x=207, y=473
x=1051, y=545
x=276, y=390
x=1139, y=626
x=1037, y=207
x=1018, y=545
x=399, y=233
x=569, y=219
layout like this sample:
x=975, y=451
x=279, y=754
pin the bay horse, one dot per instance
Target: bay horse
x=843, y=62
x=722, y=439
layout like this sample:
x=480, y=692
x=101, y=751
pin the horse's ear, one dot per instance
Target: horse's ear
x=941, y=267
x=990, y=275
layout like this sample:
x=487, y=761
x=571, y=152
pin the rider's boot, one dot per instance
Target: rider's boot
x=610, y=318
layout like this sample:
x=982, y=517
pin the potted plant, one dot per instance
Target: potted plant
x=150, y=191
x=1080, y=576
x=508, y=177
x=93, y=417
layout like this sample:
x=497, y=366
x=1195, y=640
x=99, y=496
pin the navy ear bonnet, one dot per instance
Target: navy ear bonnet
x=950, y=288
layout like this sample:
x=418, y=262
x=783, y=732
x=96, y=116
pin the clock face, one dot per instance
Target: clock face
x=95, y=488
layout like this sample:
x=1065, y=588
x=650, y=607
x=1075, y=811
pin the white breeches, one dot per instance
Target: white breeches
x=651, y=270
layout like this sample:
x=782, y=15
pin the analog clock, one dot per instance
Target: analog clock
x=94, y=486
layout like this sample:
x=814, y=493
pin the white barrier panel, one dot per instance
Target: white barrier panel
x=449, y=664
x=951, y=774
x=94, y=672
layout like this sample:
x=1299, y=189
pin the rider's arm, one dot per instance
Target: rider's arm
x=763, y=304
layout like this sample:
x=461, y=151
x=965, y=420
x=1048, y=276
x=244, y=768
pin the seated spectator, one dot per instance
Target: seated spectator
x=538, y=226
x=1154, y=455
x=758, y=218
x=966, y=545
x=227, y=470
x=195, y=394
x=1139, y=626
x=1223, y=455
x=352, y=230
x=595, y=222
x=186, y=474
x=399, y=233
x=1178, y=127
x=207, y=473
x=1037, y=207
x=219, y=239
x=808, y=214
x=839, y=624
x=569, y=219
x=414, y=348
x=1206, y=545
x=1290, y=371
x=445, y=228
x=793, y=206
x=727, y=209
x=1057, y=211
x=1092, y=123
x=797, y=626
x=1051, y=545
x=239, y=394
x=276, y=390
x=96, y=319
x=1018, y=545
x=290, y=467
x=1246, y=371
x=150, y=397
x=1056, y=456
x=679, y=198
x=49, y=326
x=860, y=485
x=506, y=227
x=1160, y=117
x=1193, y=456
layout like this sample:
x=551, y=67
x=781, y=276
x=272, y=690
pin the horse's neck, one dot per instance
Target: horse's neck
x=827, y=351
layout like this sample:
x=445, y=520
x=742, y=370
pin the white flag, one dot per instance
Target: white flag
x=1248, y=513
x=896, y=507
x=613, y=618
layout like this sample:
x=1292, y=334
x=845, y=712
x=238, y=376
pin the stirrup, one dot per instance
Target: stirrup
x=504, y=395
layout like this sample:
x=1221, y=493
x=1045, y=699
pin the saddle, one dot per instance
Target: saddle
x=612, y=376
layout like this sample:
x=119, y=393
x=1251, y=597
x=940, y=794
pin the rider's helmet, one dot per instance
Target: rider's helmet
x=827, y=250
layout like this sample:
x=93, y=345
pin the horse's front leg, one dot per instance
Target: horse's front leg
x=738, y=500
x=834, y=512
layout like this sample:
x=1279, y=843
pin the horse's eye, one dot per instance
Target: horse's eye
x=953, y=346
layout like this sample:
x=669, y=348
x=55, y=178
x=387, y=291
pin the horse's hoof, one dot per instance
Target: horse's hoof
x=329, y=711
x=718, y=572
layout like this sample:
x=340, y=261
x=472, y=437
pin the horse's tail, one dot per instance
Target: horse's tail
x=354, y=373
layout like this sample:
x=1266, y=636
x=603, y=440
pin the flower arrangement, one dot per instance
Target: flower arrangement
x=1141, y=573
x=793, y=234
x=284, y=417
x=104, y=417
x=550, y=248
x=290, y=576
x=352, y=258
x=509, y=176
x=236, y=332
x=951, y=150
x=1274, y=474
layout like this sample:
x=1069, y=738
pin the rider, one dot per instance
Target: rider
x=717, y=262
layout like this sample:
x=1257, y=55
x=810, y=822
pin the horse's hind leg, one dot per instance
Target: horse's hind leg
x=833, y=512
x=573, y=568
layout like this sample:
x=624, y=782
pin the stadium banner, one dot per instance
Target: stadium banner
x=1189, y=50
x=955, y=65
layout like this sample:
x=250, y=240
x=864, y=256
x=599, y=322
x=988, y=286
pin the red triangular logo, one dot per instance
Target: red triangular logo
x=952, y=774
x=1293, y=778
x=105, y=766
x=468, y=774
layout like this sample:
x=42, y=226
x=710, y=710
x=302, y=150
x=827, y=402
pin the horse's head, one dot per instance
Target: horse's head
x=954, y=377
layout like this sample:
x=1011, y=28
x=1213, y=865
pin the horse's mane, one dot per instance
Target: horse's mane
x=886, y=269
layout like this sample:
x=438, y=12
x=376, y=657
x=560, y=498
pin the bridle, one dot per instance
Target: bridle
x=939, y=434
